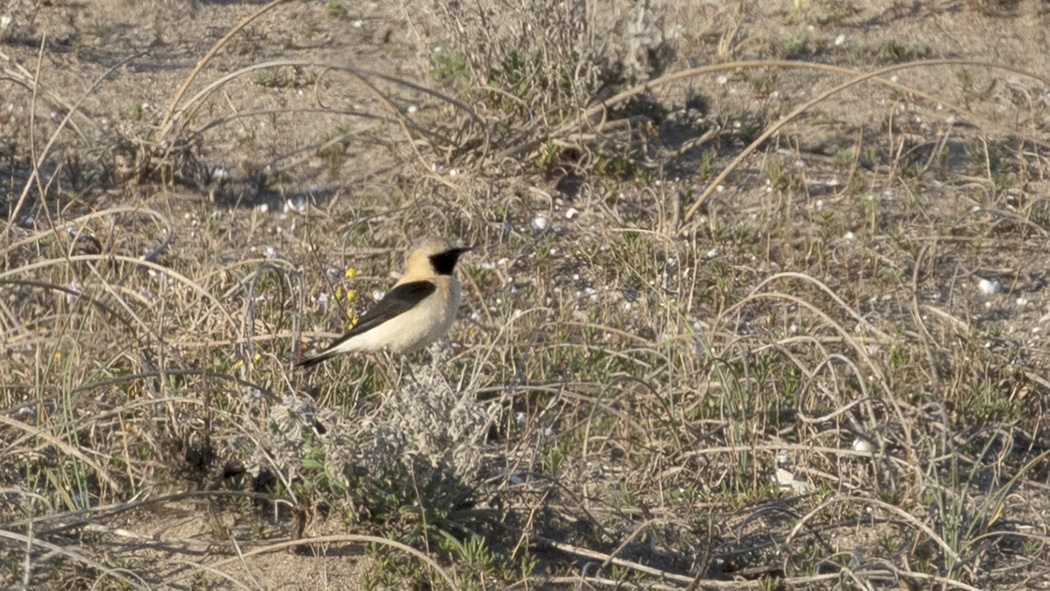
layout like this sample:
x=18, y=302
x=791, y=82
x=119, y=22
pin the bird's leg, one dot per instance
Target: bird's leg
x=403, y=367
x=440, y=353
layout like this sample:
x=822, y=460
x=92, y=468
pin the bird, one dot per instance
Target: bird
x=417, y=311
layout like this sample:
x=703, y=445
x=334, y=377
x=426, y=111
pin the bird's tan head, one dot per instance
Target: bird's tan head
x=435, y=256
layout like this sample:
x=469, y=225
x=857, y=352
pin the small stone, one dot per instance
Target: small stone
x=862, y=445
x=990, y=287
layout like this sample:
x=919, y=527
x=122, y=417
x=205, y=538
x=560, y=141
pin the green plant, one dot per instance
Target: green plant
x=777, y=176
x=893, y=51
x=444, y=507
x=796, y=44
x=707, y=160
x=450, y=68
x=477, y=564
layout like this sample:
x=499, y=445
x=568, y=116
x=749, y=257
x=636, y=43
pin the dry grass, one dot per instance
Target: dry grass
x=759, y=323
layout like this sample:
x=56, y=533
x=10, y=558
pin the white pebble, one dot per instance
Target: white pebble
x=571, y=212
x=861, y=445
x=989, y=287
x=540, y=223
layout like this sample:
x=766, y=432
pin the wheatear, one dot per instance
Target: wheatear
x=417, y=311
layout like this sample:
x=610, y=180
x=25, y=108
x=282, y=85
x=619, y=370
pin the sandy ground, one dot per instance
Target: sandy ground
x=262, y=149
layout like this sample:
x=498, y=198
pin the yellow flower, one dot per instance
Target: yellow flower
x=350, y=295
x=339, y=293
x=351, y=272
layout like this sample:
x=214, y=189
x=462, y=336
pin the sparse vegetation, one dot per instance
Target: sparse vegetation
x=722, y=327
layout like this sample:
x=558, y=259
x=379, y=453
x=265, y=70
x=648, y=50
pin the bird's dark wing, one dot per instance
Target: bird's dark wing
x=397, y=301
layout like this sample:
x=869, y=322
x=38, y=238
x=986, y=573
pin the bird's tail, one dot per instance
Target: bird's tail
x=312, y=361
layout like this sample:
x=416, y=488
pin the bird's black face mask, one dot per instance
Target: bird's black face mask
x=445, y=262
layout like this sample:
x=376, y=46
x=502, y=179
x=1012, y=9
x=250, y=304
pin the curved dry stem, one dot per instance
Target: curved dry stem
x=833, y=91
x=909, y=446
x=907, y=517
x=79, y=517
x=823, y=287
x=71, y=292
x=218, y=573
x=610, y=559
x=943, y=582
x=39, y=160
x=176, y=372
x=62, y=445
x=23, y=78
x=290, y=278
x=168, y=121
x=362, y=73
x=776, y=447
x=585, y=116
x=76, y=556
x=352, y=538
x=133, y=261
x=866, y=399
x=844, y=334
x=169, y=229
x=96, y=418
x=295, y=111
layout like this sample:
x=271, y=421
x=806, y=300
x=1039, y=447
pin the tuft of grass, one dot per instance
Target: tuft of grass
x=795, y=45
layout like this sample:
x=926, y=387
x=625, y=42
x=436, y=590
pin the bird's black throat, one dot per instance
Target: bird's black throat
x=445, y=262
